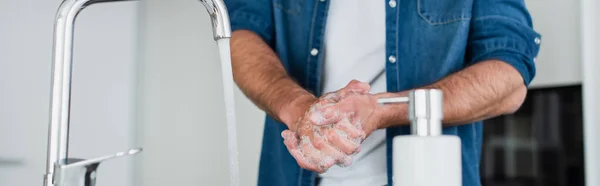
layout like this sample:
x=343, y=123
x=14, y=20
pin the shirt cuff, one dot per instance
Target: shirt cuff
x=524, y=65
x=245, y=21
x=507, y=41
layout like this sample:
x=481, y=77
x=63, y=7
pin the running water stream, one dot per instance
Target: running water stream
x=225, y=55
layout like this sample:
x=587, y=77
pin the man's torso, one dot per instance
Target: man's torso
x=425, y=41
x=355, y=49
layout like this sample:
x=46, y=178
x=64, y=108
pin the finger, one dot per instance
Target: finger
x=357, y=150
x=338, y=139
x=354, y=133
x=292, y=144
x=302, y=161
x=355, y=86
x=290, y=139
x=314, y=156
x=339, y=157
x=287, y=134
x=329, y=98
x=328, y=151
x=334, y=113
x=347, y=161
x=359, y=86
x=325, y=116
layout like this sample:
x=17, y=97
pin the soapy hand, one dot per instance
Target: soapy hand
x=361, y=109
x=328, y=134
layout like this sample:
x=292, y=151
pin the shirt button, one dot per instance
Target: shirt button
x=392, y=3
x=392, y=59
x=537, y=41
x=314, y=52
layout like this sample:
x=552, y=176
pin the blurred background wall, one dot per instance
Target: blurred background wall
x=148, y=74
x=104, y=85
x=180, y=114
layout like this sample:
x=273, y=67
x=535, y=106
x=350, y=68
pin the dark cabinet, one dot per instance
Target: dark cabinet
x=539, y=145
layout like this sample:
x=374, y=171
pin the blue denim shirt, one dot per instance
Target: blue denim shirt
x=429, y=39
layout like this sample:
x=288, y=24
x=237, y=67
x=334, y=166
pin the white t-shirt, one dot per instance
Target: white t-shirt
x=355, y=49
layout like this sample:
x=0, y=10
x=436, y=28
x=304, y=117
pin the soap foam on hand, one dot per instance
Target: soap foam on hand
x=318, y=113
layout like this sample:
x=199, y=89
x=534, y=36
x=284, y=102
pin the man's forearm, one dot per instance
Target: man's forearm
x=484, y=90
x=260, y=75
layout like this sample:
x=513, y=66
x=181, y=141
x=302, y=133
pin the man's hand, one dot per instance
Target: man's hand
x=360, y=109
x=318, y=148
x=338, y=135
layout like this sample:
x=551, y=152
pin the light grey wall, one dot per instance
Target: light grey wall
x=103, y=88
x=181, y=115
x=559, y=60
x=103, y=104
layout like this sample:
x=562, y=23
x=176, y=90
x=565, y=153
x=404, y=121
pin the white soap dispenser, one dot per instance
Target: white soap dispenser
x=426, y=157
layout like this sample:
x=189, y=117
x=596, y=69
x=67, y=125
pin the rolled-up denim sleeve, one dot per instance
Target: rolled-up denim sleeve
x=253, y=15
x=502, y=30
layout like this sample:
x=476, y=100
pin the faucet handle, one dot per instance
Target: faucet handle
x=82, y=172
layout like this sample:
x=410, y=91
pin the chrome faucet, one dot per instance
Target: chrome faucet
x=219, y=18
x=60, y=169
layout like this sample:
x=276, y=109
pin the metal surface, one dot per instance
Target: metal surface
x=393, y=100
x=218, y=17
x=58, y=131
x=58, y=135
x=425, y=110
x=79, y=172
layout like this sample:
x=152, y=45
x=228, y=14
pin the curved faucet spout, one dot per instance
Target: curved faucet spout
x=61, y=85
x=58, y=131
x=219, y=18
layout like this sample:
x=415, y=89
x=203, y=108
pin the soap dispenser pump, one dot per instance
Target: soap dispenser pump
x=426, y=157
